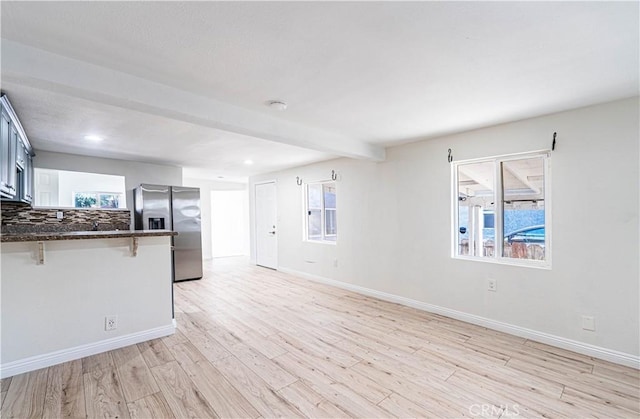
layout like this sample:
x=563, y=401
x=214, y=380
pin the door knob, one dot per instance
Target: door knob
x=273, y=233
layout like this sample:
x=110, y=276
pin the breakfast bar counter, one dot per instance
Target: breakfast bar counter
x=67, y=295
x=82, y=235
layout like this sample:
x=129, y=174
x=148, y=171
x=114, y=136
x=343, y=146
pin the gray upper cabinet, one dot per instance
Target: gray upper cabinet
x=16, y=164
x=21, y=154
x=26, y=186
x=5, y=186
x=13, y=158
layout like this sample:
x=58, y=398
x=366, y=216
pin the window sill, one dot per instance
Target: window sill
x=333, y=243
x=524, y=263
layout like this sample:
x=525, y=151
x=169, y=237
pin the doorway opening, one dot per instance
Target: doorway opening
x=229, y=224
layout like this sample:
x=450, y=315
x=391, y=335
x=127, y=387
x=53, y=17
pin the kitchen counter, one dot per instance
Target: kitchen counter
x=83, y=235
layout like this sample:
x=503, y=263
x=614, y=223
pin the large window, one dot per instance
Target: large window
x=321, y=221
x=502, y=209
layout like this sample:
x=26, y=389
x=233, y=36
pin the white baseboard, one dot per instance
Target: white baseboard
x=10, y=369
x=611, y=355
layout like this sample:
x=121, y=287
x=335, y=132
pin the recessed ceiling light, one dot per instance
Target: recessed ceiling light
x=277, y=104
x=248, y=162
x=93, y=137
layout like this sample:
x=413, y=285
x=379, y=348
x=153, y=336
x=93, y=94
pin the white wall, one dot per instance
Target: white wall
x=394, y=227
x=206, y=187
x=135, y=173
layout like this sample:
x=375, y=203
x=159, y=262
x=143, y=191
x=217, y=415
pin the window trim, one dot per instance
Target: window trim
x=498, y=258
x=305, y=222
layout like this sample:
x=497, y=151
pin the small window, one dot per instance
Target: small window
x=321, y=212
x=500, y=209
x=96, y=199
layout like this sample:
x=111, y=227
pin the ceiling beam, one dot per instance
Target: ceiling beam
x=25, y=65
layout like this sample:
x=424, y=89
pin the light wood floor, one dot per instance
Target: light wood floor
x=258, y=343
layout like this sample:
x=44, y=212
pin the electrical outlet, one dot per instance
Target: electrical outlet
x=110, y=323
x=335, y=263
x=59, y=215
x=589, y=323
x=492, y=285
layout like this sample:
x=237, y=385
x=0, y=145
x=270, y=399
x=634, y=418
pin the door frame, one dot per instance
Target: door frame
x=254, y=225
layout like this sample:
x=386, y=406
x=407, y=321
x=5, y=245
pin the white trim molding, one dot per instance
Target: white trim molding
x=20, y=366
x=611, y=355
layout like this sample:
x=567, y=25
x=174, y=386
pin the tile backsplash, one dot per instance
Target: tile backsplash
x=19, y=218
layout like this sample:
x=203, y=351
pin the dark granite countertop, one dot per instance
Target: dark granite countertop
x=83, y=235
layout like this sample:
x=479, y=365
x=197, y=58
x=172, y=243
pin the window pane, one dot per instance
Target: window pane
x=476, y=219
x=315, y=224
x=329, y=190
x=109, y=200
x=330, y=226
x=523, y=208
x=315, y=196
x=463, y=233
x=84, y=200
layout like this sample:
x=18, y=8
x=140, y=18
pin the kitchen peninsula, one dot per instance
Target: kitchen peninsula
x=70, y=294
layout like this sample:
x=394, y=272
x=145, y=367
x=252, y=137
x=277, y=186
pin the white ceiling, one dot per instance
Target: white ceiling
x=186, y=82
x=58, y=123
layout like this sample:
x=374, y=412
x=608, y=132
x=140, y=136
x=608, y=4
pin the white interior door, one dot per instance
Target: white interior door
x=266, y=235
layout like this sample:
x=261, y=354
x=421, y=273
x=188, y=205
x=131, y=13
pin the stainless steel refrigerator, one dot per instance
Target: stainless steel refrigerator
x=177, y=208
